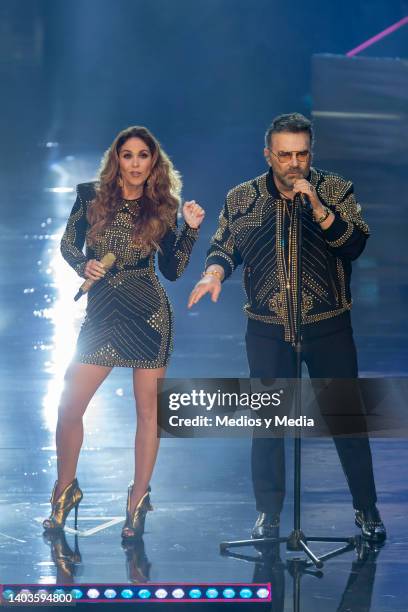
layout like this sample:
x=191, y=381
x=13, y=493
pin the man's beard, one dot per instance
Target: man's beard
x=290, y=181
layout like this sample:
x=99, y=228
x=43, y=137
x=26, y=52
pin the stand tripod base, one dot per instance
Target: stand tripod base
x=296, y=541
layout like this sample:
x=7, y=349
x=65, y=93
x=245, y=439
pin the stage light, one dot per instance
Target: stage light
x=163, y=592
x=60, y=189
x=59, y=592
x=64, y=320
x=262, y=593
x=8, y=594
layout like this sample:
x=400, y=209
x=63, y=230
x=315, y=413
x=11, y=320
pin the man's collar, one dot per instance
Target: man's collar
x=270, y=184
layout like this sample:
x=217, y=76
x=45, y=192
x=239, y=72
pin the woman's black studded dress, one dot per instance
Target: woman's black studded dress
x=128, y=318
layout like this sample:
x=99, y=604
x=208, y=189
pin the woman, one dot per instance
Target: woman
x=130, y=212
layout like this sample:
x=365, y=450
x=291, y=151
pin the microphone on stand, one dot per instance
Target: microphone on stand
x=107, y=261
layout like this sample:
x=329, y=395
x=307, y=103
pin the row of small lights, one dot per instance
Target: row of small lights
x=144, y=593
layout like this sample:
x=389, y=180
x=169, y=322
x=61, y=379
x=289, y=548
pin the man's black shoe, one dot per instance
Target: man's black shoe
x=266, y=526
x=371, y=525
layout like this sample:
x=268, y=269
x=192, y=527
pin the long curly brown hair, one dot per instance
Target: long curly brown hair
x=161, y=194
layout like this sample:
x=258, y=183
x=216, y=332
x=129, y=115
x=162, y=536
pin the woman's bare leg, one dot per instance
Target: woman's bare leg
x=81, y=382
x=146, y=440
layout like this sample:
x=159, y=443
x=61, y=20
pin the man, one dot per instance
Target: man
x=257, y=229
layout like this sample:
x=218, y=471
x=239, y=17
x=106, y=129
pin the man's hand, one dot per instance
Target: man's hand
x=208, y=284
x=303, y=186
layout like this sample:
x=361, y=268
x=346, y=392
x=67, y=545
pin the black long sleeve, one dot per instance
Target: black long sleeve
x=175, y=250
x=347, y=235
x=223, y=251
x=73, y=239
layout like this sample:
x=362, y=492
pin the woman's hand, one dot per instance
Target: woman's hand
x=193, y=214
x=94, y=270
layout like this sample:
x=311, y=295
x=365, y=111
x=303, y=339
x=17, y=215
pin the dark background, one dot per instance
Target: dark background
x=206, y=76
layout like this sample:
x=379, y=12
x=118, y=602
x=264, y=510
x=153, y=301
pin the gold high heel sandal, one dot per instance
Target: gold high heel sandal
x=61, y=507
x=134, y=525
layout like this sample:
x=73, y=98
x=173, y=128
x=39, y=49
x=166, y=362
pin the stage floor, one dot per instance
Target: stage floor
x=201, y=493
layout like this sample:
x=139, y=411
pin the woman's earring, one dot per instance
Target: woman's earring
x=120, y=181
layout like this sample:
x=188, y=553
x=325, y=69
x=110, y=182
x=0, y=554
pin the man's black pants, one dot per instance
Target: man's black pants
x=330, y=356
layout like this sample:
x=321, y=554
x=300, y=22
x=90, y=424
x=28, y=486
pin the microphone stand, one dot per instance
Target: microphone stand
x=269, y=568
x=296, y=540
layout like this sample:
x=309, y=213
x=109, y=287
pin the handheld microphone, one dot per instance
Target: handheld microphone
x=107, y=261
